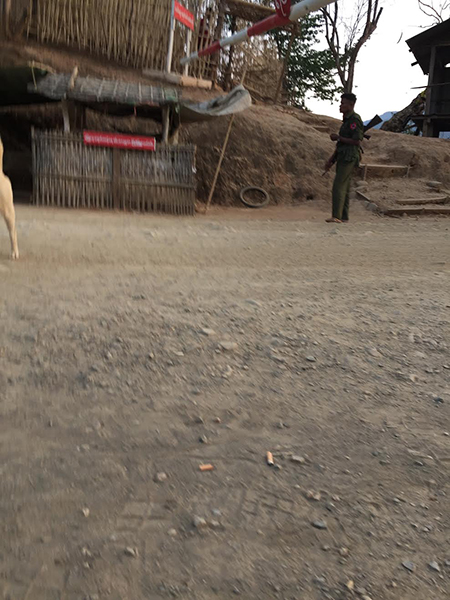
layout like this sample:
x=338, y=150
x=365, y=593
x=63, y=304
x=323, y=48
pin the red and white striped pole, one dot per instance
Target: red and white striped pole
x=298, y=11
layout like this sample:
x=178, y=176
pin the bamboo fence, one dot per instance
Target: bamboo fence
x=68, y=174
x=130, y=32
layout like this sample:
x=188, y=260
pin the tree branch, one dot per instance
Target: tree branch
x=435, y=13
x=359, y=30
x=333, y=39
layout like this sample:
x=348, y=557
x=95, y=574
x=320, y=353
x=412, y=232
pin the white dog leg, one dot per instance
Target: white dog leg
x=10, y=219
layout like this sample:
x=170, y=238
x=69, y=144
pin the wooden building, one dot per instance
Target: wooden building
x=432, y=51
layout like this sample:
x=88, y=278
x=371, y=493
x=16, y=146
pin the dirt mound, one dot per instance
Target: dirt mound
x=268, y=149
x=387, y=193
x=284, y=151
x=429, y=158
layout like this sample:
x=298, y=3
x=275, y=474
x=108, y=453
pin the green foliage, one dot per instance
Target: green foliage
x=309, y=71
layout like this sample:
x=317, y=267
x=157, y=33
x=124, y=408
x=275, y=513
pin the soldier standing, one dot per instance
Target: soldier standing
x=346, y=156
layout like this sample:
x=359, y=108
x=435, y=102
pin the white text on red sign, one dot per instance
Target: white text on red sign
x=118, y=140
x=183, y=15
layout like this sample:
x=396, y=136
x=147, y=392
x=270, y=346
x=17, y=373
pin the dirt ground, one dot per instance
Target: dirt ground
x=386, y=193
x=135, y=348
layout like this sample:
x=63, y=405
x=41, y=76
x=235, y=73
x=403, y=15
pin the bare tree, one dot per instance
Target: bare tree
x=346, y=37
x=434, y=10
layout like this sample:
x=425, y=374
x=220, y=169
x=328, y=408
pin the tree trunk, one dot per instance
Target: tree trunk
x=400, y=120
x=348, y=86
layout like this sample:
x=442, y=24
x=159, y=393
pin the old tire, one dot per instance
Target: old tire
x=265, y=198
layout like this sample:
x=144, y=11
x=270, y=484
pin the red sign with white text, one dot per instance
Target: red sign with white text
x=118, y=140
x=283, y=8
x=183, y=15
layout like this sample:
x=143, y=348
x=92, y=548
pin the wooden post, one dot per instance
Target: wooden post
x=427, y=124
x=68, y=107
x=188, y=46
x=219, y=164
x=222, y=154
x=72, y=79
x=285, y=63
x=175, y=137
x=166, y=124
x=171, y=39
x=66, y=116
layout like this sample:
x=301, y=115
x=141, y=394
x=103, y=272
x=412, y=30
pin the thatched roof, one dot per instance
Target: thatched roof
x=92, y=90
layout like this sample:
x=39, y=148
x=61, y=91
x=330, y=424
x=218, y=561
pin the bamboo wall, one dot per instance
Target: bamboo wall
x=130, y=32
x=68, y=174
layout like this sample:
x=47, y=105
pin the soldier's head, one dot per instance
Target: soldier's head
x=348, y=102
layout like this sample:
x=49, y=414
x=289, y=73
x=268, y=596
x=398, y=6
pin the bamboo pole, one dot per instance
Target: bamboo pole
x=166, y=124
x=171, y=38
x=222, y=154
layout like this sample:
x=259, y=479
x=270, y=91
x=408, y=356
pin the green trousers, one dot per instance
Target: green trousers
x=341, y=189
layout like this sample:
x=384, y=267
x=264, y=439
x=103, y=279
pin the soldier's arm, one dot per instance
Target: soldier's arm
x=356, y=133
x=349, y=141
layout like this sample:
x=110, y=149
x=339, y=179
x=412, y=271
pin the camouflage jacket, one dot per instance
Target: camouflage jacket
x=352, y=128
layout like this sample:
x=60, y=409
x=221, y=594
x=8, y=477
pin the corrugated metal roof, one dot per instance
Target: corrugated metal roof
x=421, y=44
x=89, y=89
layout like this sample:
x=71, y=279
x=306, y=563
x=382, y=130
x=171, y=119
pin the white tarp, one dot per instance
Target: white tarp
x=235, y=102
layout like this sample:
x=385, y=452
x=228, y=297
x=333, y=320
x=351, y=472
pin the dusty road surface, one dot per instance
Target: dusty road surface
x=134, y=349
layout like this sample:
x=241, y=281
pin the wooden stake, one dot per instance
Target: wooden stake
x=72, y=79
x=166, y=124
x=188, y=51
x=171, y=38
x=66, y=118
x=222, y=154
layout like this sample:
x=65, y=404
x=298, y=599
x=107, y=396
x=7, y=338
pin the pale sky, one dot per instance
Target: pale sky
x=384, y=75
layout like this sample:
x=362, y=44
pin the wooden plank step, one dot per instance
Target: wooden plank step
x=417, y=210
x=384, y=171
x=425, y=200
